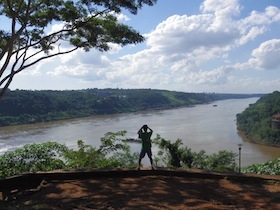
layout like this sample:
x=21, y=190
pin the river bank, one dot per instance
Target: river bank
x=250, y=139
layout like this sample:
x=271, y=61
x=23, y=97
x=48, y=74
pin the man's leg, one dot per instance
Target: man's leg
x=149, y=153
x=152, y=165
x=142, y=154
x=139, y=163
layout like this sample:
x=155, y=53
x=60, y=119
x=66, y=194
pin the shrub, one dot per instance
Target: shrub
x=177, y=156
x=271, y=167
x=33, y=157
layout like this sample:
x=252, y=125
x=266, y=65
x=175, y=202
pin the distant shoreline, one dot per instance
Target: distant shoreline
x=252, y=140
x=21, y=107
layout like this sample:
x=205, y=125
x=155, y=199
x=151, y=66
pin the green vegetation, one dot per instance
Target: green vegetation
x=255, y=121
x=34, y=157
x=84, y=25
x=271, y=167
x=175, y=155
x=114, y=151
x=23, y=106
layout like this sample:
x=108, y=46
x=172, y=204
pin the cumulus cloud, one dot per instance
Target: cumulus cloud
x=185, y=49
x=85, y=65
x=182, y=34
x=224, y=7
x=265, y=57
x=257, y=23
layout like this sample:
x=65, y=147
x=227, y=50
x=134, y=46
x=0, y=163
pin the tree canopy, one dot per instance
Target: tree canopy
x=255, y=121
x=86, y=24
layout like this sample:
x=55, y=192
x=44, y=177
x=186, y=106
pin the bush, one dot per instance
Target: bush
x=175, y=155
x=113, y=152
x=33, y=157
x=271, y=167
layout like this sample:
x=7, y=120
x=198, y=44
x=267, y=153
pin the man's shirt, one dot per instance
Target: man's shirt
x=146, y=140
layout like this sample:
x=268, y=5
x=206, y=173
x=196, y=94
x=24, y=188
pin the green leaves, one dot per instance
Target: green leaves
x=271, y=167
x=113, y=152
x=33, y=157
x=84, y=157
x=222, y=161
x=177, y=156
x=85, y=24
x=112, y=142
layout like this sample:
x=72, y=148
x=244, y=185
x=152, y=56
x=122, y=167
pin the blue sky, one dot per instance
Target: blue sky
x=225, y=46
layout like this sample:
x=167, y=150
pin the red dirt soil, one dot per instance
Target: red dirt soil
x=159, y=189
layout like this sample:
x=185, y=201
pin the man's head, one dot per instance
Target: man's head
x=145, y=127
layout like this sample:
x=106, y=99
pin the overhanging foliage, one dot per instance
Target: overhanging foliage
x=85, y=24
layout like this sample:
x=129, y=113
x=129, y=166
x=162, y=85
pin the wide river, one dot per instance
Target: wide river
x=207, y=127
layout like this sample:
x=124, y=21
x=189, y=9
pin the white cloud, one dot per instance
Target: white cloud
x=182, y=34
x=266, y=57
x=248, y=84
x=257, y=23
x=85, y=72
x=86, y=65
x=185, y=50
x=252, y=33
x=224, y=7
x=121, y=17
x=273, y=13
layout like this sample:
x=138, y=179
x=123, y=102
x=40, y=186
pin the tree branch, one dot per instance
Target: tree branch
x=10, y=44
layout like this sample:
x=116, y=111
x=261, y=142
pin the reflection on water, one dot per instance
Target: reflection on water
x=200, y=127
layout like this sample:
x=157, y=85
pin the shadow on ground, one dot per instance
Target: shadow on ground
x=160, y=189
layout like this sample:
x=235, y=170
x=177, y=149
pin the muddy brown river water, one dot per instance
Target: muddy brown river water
x=207, y=127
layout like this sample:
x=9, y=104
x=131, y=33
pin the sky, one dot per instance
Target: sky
x=223, y=46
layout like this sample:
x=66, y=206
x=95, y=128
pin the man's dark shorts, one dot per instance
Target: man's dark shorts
x=144, y=152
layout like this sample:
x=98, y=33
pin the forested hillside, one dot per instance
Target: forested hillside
x=255, y=121
x=23, y=106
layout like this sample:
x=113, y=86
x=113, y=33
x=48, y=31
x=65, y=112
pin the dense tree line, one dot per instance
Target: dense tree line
x=25, y=106
x=255, y=121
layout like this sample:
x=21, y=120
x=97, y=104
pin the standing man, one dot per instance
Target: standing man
x=145, y=136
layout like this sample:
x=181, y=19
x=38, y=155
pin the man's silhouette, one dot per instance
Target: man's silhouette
x=145, y=136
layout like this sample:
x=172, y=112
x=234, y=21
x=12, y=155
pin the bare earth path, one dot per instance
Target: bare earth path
x=160, y=189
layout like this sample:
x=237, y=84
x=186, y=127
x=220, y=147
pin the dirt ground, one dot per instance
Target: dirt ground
x=153, y=191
